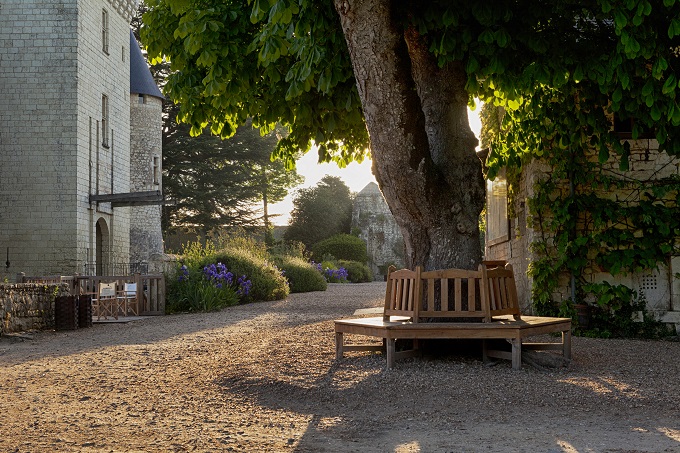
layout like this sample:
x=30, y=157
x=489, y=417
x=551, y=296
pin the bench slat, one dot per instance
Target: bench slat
x=457, y=301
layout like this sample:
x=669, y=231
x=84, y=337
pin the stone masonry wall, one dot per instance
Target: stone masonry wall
x=384, y=242
x=101, y=169
x=661, y=288
x=38, y=156
x=53, y=73
x=146, y=141
x=28, y=306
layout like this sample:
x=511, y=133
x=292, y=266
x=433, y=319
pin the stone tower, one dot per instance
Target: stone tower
x=384, y=241
x=66, y=191
x=146, y=108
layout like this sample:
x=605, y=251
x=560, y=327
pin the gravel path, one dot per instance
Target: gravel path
x=263, y=377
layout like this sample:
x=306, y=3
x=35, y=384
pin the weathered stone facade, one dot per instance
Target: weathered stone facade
x=661, y=288
x=377, y=226
x=146, y=140
x=28, y=306
x=64, y=134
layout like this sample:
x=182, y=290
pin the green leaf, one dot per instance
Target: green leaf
x=502, y=37
x=674, y=28
x=603, y=155
x=670, y=84
x=578, y=73
x=620, y=19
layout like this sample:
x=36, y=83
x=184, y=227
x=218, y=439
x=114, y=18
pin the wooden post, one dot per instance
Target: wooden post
x=516, y=353
x=338, y=345
x=391, y=346
x=566, y=344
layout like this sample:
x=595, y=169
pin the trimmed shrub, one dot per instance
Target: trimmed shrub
x=197, y=289
x=357, y=272
x=267, y=281
x=342, y=247
x=302, y=276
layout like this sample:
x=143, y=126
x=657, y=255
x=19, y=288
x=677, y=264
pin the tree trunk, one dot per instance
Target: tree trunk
x=422, y=147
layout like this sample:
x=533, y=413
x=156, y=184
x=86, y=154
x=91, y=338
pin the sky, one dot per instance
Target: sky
x=356, y=176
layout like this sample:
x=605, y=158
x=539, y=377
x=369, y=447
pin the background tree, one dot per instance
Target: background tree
x=320, y=212
x=406, y=71
x=222, y=183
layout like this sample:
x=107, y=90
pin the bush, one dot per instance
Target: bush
x=357, y=272
x=194, y=289
x=267, y=281
x=302, y=277
x=342, y=247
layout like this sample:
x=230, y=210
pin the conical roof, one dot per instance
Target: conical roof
x=141, y=80
x=370, y=189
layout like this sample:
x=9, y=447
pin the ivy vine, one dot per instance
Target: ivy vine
x=592, y=219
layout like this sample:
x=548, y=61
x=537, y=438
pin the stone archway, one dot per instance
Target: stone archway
x=102, y=248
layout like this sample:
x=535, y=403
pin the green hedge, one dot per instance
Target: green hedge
x=267, y=281
x=302, y=276
x=341, y=247
x=357, y=272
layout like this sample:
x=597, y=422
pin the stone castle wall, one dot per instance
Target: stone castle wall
x=53, y=73
x=146, y=140
x=384, y=242
x=38, y=128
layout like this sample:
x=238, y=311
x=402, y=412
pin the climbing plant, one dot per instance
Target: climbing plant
x=591, y=213
x=591, y=218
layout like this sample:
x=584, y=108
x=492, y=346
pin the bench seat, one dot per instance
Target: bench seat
x=511, y=327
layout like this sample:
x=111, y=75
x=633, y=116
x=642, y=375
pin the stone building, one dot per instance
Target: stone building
x=384, y=242
x=72, y=139
x=510, y=233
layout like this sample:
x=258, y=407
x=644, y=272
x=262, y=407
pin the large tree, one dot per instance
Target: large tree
x=405, y=71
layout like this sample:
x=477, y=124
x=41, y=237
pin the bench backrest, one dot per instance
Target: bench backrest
x=500, y=291
x=401, y=294
x=452, y=293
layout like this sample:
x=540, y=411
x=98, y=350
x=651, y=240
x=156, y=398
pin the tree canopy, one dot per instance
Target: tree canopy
x=405, y=71
x=320, y=212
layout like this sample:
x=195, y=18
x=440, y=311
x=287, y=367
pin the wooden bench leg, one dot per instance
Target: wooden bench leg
x=516, y=353
x=391, y=342
x=485, y=356
x=338, y=345
x=566, y=344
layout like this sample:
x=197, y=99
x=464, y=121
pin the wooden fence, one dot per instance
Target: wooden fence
x=150, y=288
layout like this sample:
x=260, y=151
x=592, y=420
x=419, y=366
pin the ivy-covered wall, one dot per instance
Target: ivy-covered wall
x=597, y=234
x=28, y=306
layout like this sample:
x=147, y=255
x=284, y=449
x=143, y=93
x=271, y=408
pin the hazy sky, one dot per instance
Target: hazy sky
x=356, y=176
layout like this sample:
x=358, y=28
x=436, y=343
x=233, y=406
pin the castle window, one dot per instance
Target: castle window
x=623, y=128
x=105, y=121
x=497, y=223
x=105, y=31
x=141, y=99
x=156, y=169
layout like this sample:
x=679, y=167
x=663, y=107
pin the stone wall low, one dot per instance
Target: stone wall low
x=28, y=306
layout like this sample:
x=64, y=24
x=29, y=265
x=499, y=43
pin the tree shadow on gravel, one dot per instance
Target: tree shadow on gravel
x=435, y=404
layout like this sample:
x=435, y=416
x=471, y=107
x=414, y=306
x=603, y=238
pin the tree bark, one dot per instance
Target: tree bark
x=422, y=147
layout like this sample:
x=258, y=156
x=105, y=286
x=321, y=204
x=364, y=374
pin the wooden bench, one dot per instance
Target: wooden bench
x=453, y=304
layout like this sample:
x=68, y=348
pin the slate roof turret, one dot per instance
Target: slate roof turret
x=141, y=80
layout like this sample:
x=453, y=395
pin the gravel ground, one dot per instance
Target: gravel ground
x=263, y=377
